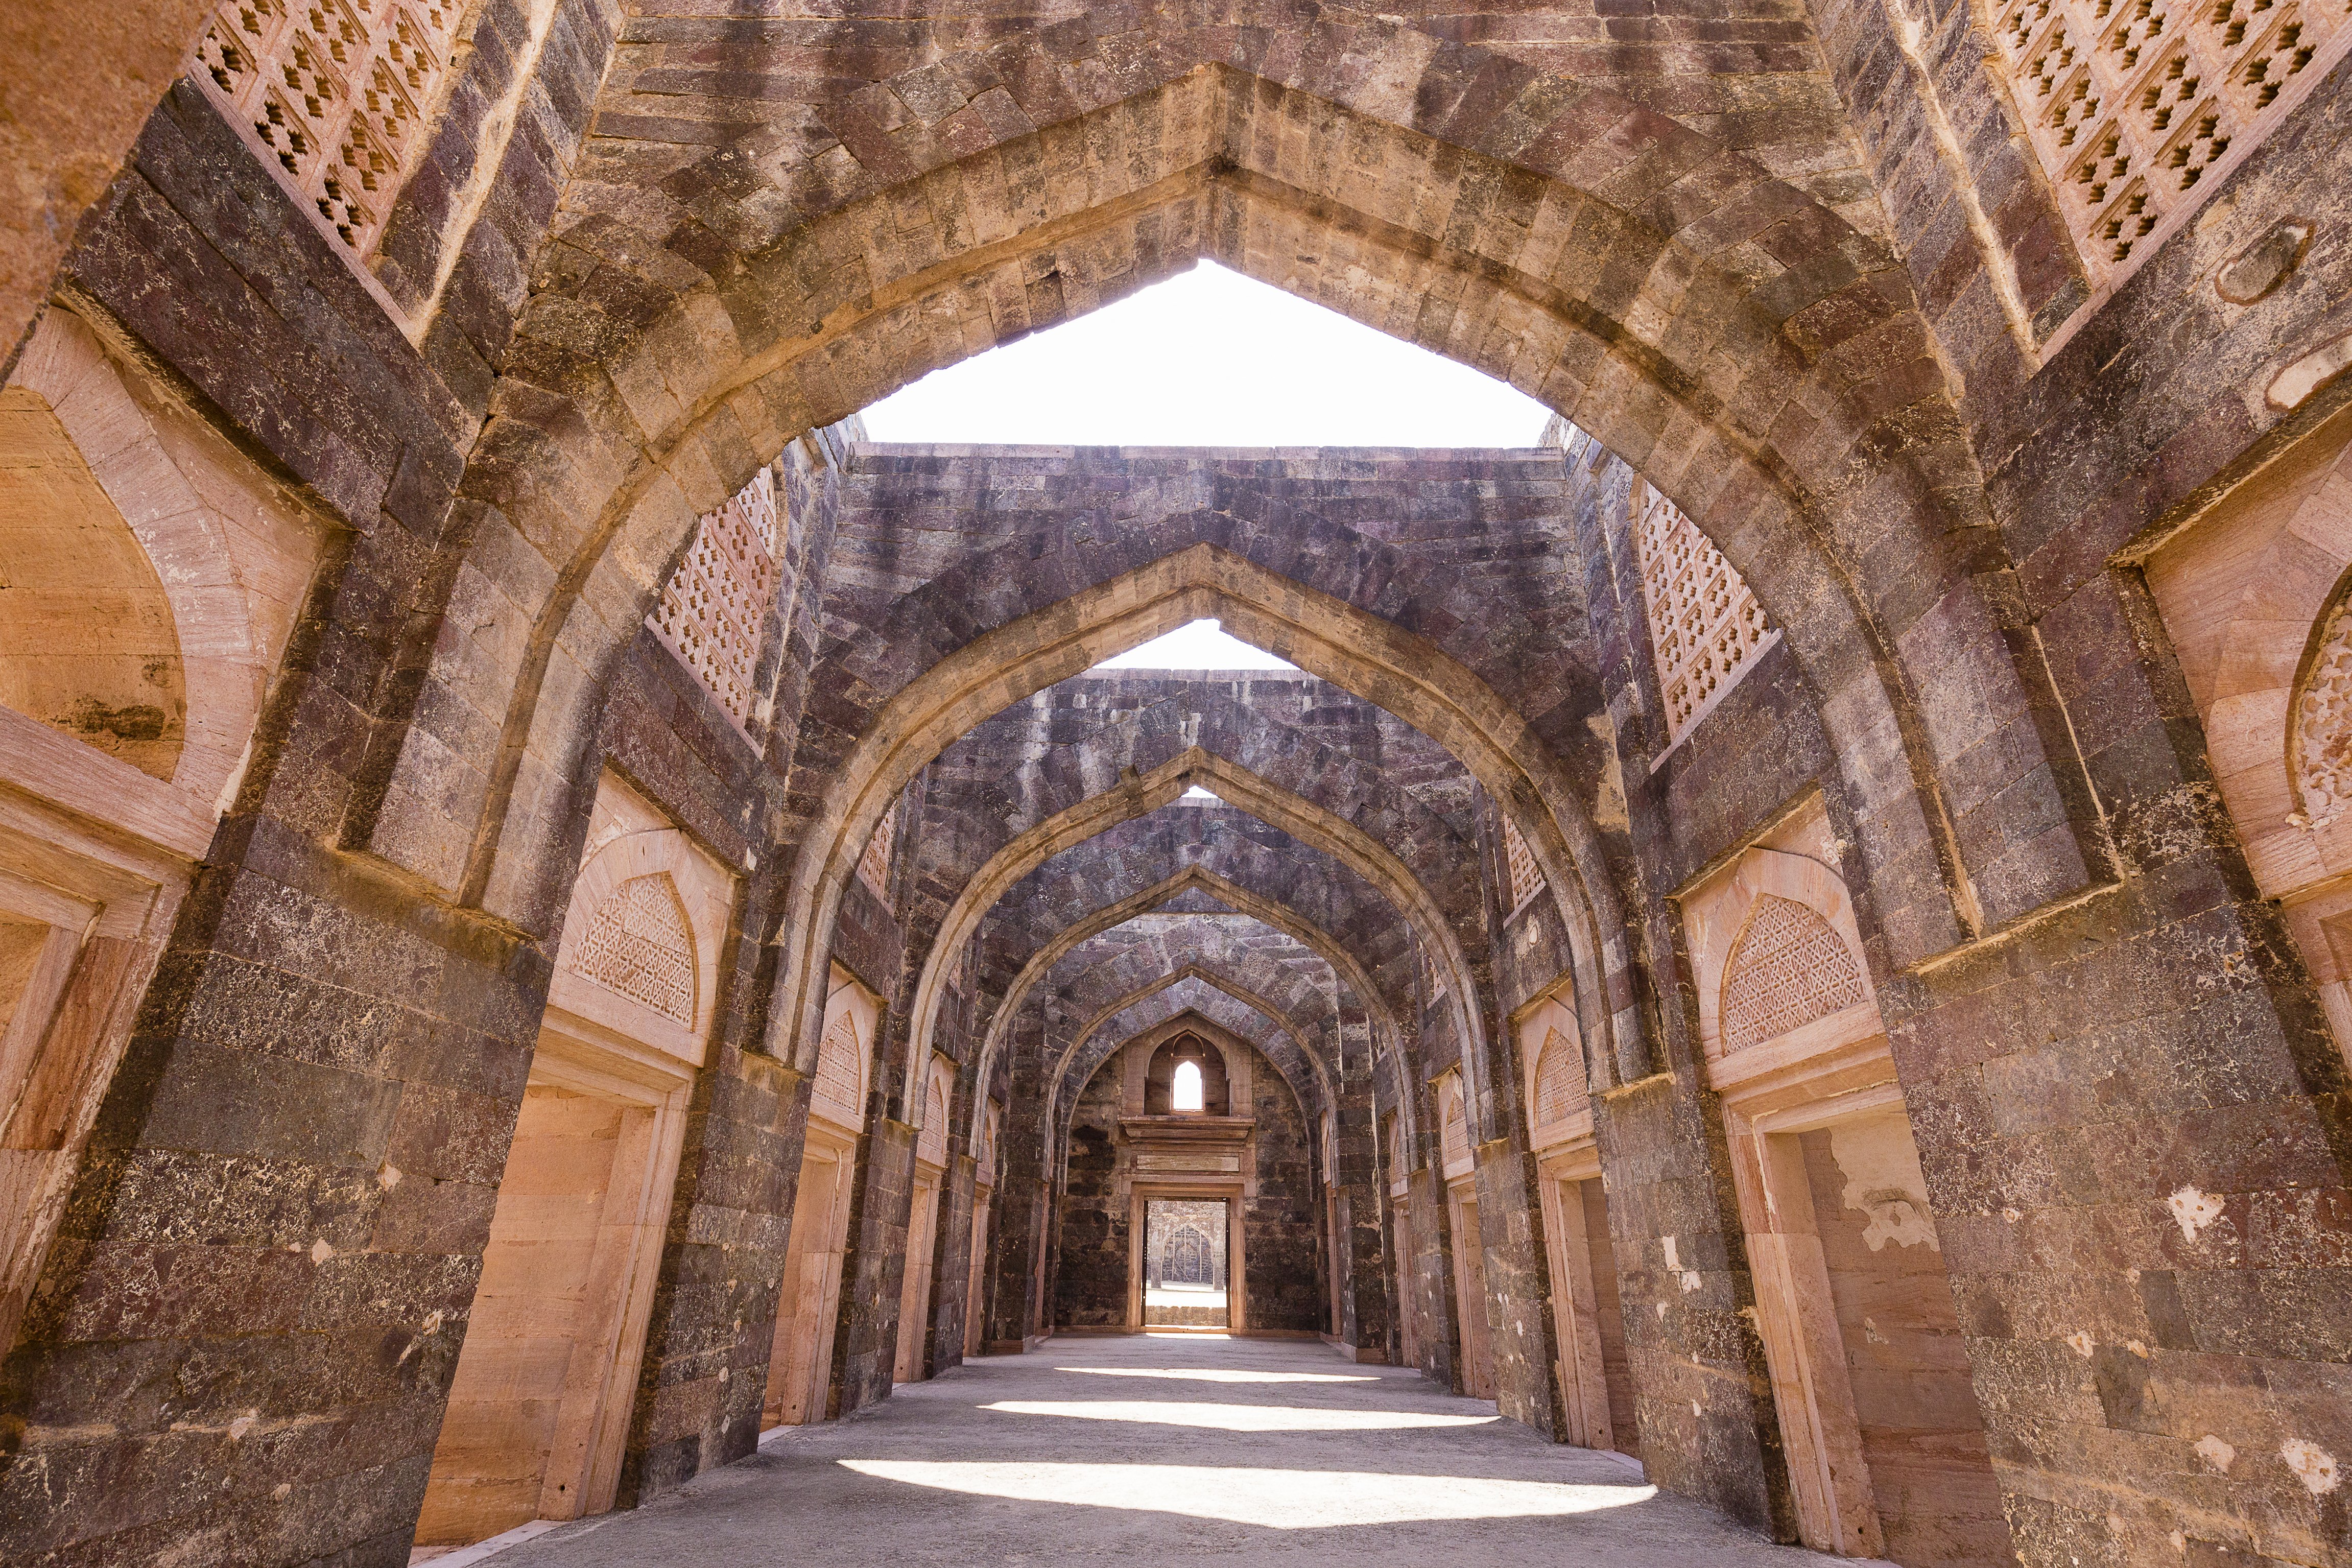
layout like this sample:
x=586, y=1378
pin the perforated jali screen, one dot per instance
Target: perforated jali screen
x=1789, y=968
x=1527, y=876
x=339, y=94
x=1705, y=627
x=2131, y=103
x=638, y=944
x=1560, y=1089
x=711, y=608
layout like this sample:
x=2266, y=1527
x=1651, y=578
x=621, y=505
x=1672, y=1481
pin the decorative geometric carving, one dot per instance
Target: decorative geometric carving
x=712, y=606
x=2323, y=723
x=874, y=864
x=1455, y=1127
x=638, y=946
x=1527, y=876
x=2130, y=103
x=839, y=1091
x=339, y=92
x=1705, y=627
x=931, y=1144
x=1788, y=968
x=1561, y=1091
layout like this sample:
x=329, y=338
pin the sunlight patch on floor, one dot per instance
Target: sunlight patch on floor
x=1221, y=1375
x=1272, y=1498
x=1237, y=1418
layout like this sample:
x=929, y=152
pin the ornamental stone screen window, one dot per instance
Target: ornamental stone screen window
x=2134, y=106
x=1520, y=861
x=711, y=608
x=1705, y=627
x=1788, y=968
x=338, y=95
x=638, y=944
x=874, y=863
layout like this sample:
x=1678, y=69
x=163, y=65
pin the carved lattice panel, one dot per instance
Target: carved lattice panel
x=1454, y=1127
x=2129, y=105
x=1520, y=861
x=2323, y=723
x=839, y=1092
x=931, y=1143
x=874, y=864
x=712, y=606
x=638, y=946
x=1560, y=1089
x=338, y=93
x=1705, y=627
x=1789, y=967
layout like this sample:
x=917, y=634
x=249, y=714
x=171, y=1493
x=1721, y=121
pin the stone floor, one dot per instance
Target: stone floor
x=1161, y=1450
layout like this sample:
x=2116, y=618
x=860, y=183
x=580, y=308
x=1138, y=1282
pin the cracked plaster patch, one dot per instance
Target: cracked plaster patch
x=2313, y=1466
x=2193, y=1211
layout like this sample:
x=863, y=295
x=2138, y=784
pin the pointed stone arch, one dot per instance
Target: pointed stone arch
x=1017, y=636
x=1384, y=1025
x=1208, y=975
x=1304, y=820
x=1756, y=396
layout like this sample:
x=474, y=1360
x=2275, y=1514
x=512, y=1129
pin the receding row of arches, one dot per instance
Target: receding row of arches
x=560, y=912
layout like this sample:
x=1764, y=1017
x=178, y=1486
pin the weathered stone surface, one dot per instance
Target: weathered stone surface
x=1791, y=268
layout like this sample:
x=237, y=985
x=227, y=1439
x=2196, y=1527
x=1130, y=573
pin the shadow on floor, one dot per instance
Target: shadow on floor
x=1162, y=1449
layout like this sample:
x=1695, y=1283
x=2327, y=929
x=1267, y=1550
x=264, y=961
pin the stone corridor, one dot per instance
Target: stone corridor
x=1772, y=921
x=1163, y=1448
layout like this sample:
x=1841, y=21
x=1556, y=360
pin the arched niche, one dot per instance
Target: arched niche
x=1551, y=1053
x=1459, y=1192
x=801, y=1355
x=1777, y=954
x=914, y=1359
x=546, y=1381
x=1456, y=1154
x=159, y=571
x=939, y=1093
x=87, y=641
x=648, y=921
x=1206, y=1075
x=2254, y=593
x=1887, y=1454
x=845, y=1054
x=150, y=578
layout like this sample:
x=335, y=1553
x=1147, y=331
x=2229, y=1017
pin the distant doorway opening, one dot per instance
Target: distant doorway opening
x=1185, y=1262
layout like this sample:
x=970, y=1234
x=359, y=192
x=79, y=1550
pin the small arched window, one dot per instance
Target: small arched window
x=1184, y=1091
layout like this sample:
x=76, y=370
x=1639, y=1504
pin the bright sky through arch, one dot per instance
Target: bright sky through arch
x=1195, y=645
x=1211, y=358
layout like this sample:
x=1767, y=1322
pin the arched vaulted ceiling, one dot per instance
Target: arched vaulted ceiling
x=1685, y=329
